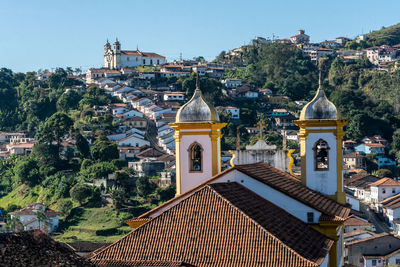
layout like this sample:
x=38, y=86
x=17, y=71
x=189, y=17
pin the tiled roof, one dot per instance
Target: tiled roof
x=391, y=202
x=353, y=155
x=360, y=180
x=150, y=153
x=386, y=182
x=139, y=53
x=292, y=187
x=353, y=221
x=223, y=224
x=375, y=145
x=282, y=181
x=119, y=263
x=367, y=239
x=358, y=232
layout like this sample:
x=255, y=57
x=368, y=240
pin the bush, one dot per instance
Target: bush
x=80, y=192
x=64, y=206
x=26, y=171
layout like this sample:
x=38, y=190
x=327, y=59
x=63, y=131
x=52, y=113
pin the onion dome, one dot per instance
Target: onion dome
x=197, y=109
x=320, y=108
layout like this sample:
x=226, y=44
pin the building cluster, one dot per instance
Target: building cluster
x=15, y=143
x=382, y=57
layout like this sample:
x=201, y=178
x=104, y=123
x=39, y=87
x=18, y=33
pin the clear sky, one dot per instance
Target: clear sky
x=59, y=33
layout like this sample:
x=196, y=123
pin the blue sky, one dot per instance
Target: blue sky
x=47, y=34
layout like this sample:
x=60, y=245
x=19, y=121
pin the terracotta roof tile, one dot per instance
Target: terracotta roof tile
x=366, y=239
x=353, y=221
x=386, y=182
x=284, y=182
x=292, y=187
x=118, y=263
x=222, y=224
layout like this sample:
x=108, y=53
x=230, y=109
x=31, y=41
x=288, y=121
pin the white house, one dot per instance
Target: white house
x=28, y=218
x=6, y=137
x=133, y=113
x=174, y=96
x=119, y=108
x=382, y=189
x=234, y=111
x=352, y=200
x=93, y=74
x=231, y=82
x=132, y=141
x=355, y=223
x=391, y=208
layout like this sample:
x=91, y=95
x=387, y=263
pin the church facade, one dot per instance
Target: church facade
x=115, y=58
x=247, y=215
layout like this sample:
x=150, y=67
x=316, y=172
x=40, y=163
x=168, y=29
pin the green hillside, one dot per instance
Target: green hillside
x=389, y=36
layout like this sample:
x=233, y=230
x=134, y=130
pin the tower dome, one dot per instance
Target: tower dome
x=320, y=108
x=197, y=109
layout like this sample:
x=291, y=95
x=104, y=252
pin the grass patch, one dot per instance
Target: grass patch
x=94, y=225
x=21, y=196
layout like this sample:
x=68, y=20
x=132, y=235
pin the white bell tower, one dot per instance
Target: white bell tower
x=321, y=133
x=197, y=142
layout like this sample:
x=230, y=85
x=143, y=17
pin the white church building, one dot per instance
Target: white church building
x=115, y=58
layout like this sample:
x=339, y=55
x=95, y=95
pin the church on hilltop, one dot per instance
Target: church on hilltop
x=115, y=58
x=250, y=214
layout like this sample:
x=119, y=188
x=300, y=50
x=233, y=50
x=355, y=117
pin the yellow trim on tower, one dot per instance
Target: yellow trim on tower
x=305, y=130
x=215, y=136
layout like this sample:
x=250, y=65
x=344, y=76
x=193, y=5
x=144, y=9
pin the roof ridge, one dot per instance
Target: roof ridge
x=260, y=226
x=294, y=179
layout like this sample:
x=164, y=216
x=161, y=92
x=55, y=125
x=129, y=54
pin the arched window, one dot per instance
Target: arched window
x=195, y=157
x=321, y=155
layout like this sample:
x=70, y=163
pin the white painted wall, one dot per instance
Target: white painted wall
x=322, y=181
x=380, y=193
x=392, y=260
x=290, y=205
x=354, y=202
x=192, y=179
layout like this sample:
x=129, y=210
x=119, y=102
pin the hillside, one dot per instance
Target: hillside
x=389, y=36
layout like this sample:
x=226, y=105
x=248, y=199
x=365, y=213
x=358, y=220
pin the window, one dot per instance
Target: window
x=127, y=58
x=310, y=217
x=158, y=62
x=397, y=261
x=373, y=262
x=321, y=155
x=393, y=190
x=151, y=62
x=144, y=61
x=196, y=157
x=383, y=190
x=137, y=59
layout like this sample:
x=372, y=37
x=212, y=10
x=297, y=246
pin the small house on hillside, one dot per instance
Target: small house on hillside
x=30, y=220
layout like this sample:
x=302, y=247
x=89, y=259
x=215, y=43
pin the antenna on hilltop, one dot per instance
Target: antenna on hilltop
x=180, y=56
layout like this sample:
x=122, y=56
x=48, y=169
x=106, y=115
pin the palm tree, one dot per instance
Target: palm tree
x=14, y=223
x=42, y=217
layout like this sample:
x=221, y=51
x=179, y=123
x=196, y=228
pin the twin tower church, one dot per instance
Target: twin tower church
x=198, y=150
x=247, y=215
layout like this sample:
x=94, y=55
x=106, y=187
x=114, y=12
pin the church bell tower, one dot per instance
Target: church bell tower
x=197, y=142
x=117, y=54
x=321, y=133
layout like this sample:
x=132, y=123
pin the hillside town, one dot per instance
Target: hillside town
x=192, y=163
